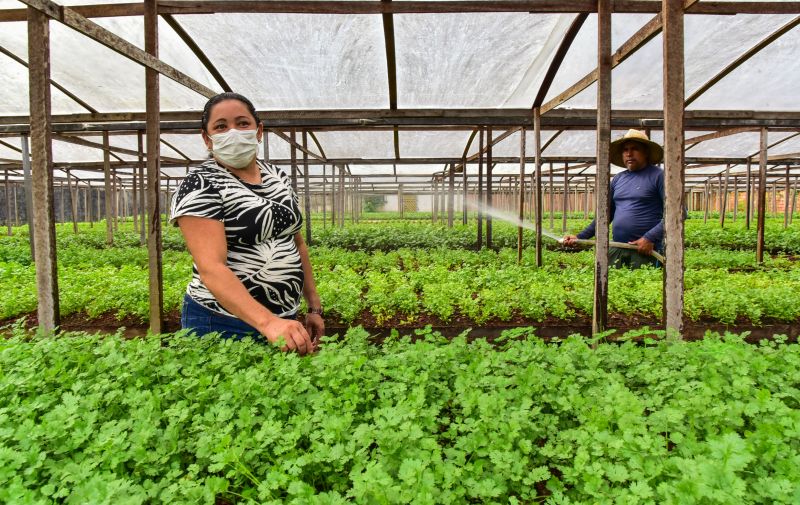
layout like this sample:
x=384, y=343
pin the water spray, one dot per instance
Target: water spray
x=513, y=219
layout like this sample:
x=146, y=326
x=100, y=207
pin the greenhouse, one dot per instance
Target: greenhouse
x=452, y=324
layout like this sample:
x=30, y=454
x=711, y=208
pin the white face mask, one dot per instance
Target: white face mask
x=235, y=148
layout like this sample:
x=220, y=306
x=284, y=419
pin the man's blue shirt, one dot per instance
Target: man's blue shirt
x=637, y=207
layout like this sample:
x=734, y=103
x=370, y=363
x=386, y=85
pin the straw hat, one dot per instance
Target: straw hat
x=656, y=151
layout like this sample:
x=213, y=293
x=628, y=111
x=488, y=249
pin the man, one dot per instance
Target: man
x=637, y=202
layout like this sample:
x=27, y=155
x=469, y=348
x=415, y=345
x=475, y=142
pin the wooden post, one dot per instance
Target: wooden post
x=324, y=196
x=293, y=150
x=489, y=177
x=435, y=201
x=400, y=200
x=152, y=107
x=43, y=231
x=8, y=205
x=341, y=196
x=735, y=197
x=600, y=306
x=748, y=196
x=762, y=195
x=673, y=48
x=480, y=189
x=464, y=190
x=724, y=202
x=707, y=202
x=73, y=200
x=135, y=199
x=26, y=170
x=521, y=193
x=62, y=214
x=585, y=198
x=142, y=189
x=306, y=188
x=791, y=213
x=108, y=192
x=565, y=200
x=551, y=198
x=537, y=137
x=451, y=197
x=16, y=210
x=87, y=204
x=774, y=198
x=786, y=200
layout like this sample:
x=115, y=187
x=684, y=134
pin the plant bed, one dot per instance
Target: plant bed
x=549, y=328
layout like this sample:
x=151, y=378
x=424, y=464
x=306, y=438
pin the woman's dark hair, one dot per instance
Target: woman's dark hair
x=214, y=100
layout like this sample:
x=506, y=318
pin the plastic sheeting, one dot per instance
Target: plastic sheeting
x=492, y=60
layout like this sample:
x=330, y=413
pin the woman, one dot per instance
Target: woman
x=241, y=222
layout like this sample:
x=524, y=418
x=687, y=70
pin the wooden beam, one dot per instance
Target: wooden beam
x=717, y=135
x=44, y=232
x=195, y=48
x=293, y=143
x=558, y=58
x=408, y=7
x=103, y=146
x=416, y=119
x=117, y=44
x=153, y=200
x=638, y=40
x=56, y=85
x=743, y=58
x=602, y=215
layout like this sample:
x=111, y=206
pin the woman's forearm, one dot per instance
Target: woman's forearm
x=309, y=286
x=234, y=297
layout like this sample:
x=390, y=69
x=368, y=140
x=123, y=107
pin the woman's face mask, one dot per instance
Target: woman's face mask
x=235, y=148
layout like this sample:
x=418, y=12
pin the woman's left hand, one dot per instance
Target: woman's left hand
x=315, y=326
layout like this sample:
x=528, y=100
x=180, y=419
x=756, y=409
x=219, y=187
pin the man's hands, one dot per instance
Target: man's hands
x=294, y=334
x=570, y=240
x=643, y=246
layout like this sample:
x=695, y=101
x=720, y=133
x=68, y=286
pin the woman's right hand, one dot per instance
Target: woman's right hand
x=294, y=335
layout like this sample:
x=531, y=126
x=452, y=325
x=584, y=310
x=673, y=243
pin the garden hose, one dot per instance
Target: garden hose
x=622, y=245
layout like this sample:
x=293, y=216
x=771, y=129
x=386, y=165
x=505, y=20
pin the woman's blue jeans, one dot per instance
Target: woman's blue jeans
x=203, y=321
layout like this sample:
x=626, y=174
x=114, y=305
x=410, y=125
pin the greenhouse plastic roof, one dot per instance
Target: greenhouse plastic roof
x=459, y=61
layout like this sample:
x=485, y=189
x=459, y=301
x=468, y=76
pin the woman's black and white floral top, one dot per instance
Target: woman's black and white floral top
x=260, y=222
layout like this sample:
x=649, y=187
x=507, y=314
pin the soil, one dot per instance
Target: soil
x=548, y=328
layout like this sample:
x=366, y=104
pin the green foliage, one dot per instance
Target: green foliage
x=86, y=419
